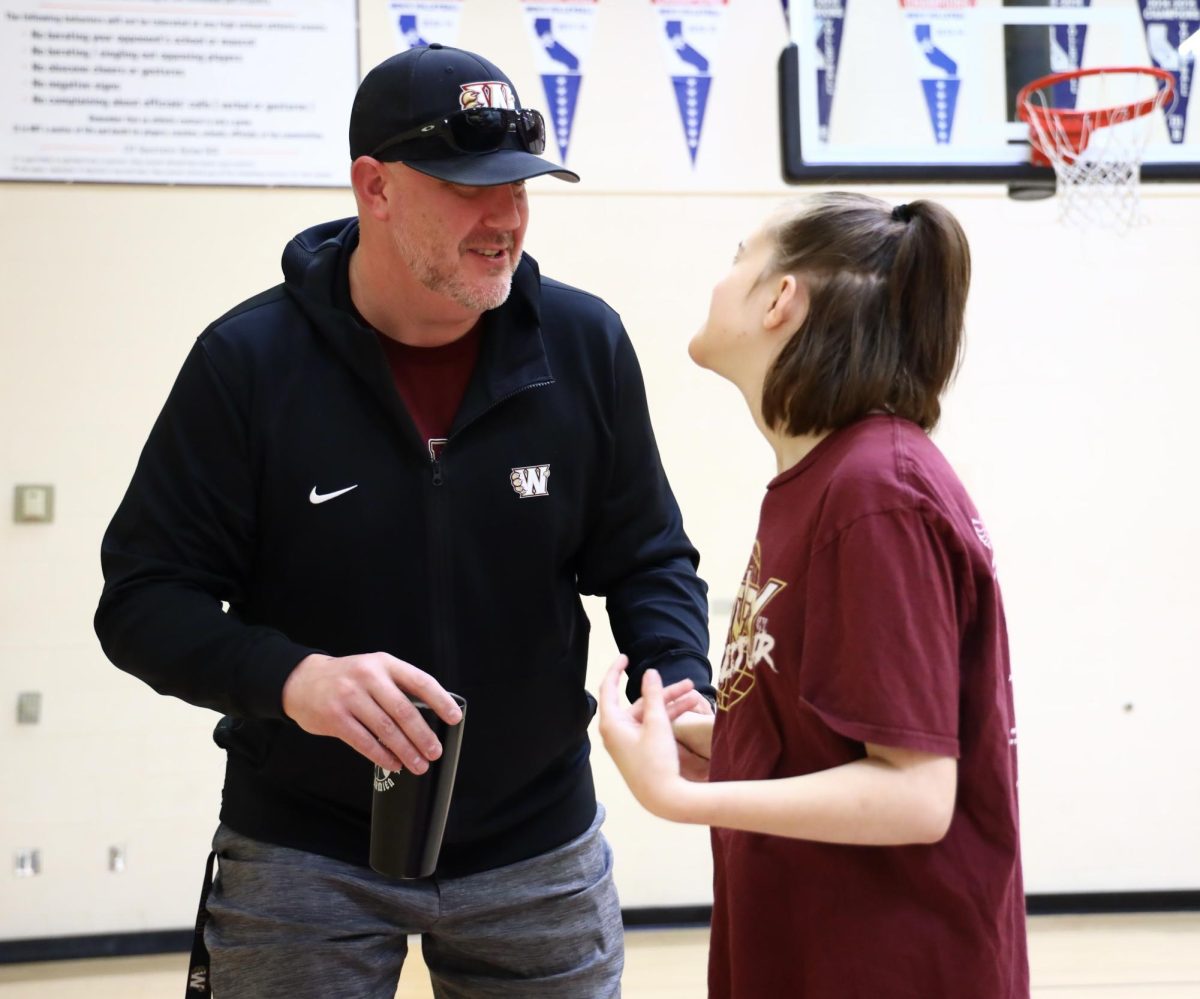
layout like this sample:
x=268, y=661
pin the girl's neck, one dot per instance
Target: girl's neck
x=790, y=451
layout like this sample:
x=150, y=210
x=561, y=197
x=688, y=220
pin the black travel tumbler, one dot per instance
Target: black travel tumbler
x=408, y=811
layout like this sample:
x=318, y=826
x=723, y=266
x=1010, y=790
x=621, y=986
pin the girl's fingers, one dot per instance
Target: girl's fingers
x=608, y=697
x=654, y=708
x=693, y=700
x=610, y=685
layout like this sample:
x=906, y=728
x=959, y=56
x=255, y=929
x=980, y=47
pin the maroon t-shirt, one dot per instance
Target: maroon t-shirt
x=432, y=382
x=870, y=612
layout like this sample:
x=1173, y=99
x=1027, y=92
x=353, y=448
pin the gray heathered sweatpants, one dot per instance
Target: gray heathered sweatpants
x=286, y=924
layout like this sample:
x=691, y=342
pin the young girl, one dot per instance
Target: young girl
x=862, y=780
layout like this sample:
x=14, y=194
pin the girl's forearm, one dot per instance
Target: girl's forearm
x=869, y=802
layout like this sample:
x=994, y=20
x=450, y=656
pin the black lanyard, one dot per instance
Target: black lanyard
x=198, y=983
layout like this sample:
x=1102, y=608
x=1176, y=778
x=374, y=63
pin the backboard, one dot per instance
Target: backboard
x=926, y=89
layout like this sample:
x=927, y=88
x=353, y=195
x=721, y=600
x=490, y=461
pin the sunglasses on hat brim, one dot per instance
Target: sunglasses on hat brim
x=478, y=130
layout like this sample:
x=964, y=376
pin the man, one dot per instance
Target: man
x=399, y=469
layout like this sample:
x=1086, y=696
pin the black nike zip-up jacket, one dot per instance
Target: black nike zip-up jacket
x=288, y=398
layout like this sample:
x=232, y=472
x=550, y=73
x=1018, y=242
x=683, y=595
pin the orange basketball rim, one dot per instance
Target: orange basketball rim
x=1072, y=129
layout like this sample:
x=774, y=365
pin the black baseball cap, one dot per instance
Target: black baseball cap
x=425, y=84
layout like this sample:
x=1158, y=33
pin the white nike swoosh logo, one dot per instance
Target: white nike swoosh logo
x=315, y=497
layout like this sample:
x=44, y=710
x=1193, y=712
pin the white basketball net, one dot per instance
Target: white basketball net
x=1099, y=169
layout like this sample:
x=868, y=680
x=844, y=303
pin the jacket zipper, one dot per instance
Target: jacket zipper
x=503, y=398
x=445, y=664
x=441, y=565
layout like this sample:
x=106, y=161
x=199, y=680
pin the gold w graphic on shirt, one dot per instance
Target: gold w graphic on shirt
x=749, y=643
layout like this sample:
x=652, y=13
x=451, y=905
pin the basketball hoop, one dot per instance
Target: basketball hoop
x=1096, y=153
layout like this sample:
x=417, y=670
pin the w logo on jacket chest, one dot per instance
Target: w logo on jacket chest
x=531, y=481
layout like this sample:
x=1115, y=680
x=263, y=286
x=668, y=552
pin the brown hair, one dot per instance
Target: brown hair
x=887, y=292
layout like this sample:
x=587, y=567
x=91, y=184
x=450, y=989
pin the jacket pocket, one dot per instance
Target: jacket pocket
x=247, y=738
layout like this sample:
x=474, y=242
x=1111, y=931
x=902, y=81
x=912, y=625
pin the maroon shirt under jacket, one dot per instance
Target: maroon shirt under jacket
x=432, y=382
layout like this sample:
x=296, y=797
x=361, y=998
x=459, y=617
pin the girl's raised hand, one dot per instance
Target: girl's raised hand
x=640, y=738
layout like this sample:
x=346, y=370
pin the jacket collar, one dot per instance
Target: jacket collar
x=512, y=354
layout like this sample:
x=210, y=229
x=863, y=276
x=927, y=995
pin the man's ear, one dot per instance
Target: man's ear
x=372, y=186
x=788, y=307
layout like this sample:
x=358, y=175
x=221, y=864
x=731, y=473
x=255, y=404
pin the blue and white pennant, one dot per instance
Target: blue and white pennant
x=690, y=31
x=421, y=22
x=561, y=35
x=938, y=30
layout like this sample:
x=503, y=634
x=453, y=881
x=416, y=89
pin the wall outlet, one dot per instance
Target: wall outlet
x=27, y=863
x=116, y=859
x=29, y=707
x=33, y=504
